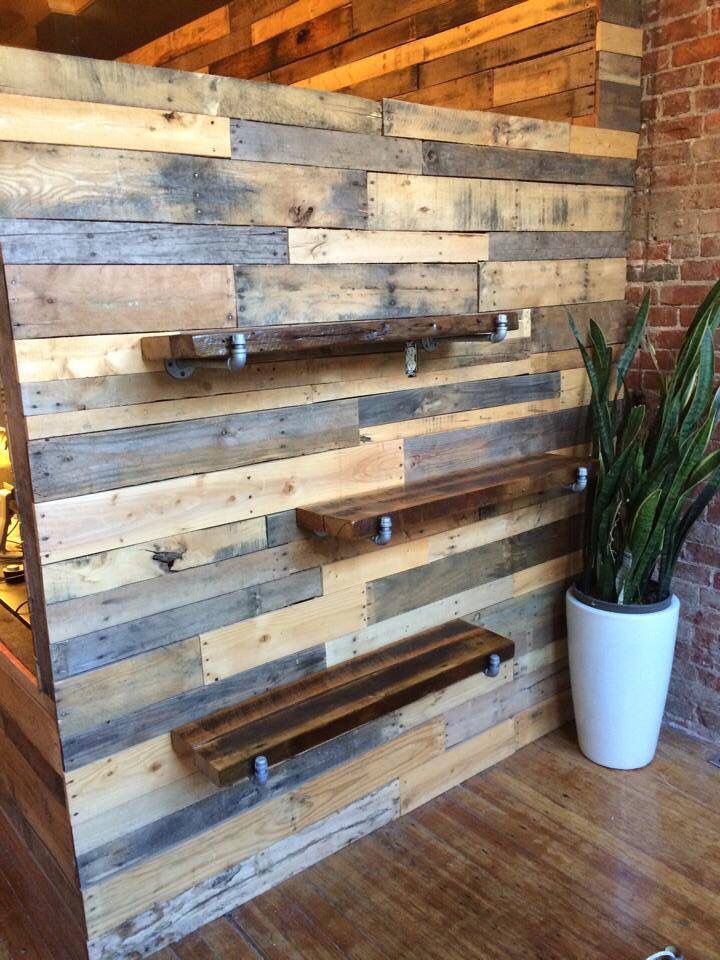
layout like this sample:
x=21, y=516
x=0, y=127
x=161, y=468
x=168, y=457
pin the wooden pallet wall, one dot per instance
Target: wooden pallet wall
x=136, y=200
x=574, y=60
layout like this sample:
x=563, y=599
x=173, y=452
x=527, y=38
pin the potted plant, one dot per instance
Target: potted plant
x=654, y=478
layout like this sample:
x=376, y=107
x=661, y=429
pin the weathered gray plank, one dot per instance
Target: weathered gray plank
x=323, y=148
x=481, y=713
x=532, y=547
x=104, y=739
x=400, y=592
x=531, y=621
x=137, y=600
x=125, y=640
x=551, y=330
x=220, y=805
x=77, y=241
x=86, y=463
x=164, y=923
x=535, y=245
x=337, y=292
x=154, y=559
x=626, y=12
x=457, y=450
x=39, y=181
x=433, y=401
x=505, y=163
x=619, y=105
x=32, y=73
x=104, y=695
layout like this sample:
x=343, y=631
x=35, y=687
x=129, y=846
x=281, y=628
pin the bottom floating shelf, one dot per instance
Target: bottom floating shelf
x=293, y=718
x=377, y=514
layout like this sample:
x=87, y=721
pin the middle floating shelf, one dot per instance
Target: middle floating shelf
x=377, y=515
x=231, y=348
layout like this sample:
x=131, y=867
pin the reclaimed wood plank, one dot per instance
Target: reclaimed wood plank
x=507, y=163
x=569, y=31
x=470, y=395
x=557, y=246
x=153, y=929
x=626, y=12
x=437, y=454
x=279, y=295
x=603, y=143
x=278, y=143
x=99, y=572
x=101, y=242
x=288, y=16
x=172, y=507
x=211, y=26
x=404, y=119
x=159, y=878
x=568, y=106
x=44, y=120
x=399, y=202
x=41, y=181
x=457, y=764
x=155, y=631
x=619, y=105
x=119, y=688
x=328, y=29
x=544, y=76
x=619, y=68
x=103, y=740
x=502, y=23
x=619, y=38
x=281, y=633
x=541, y=283
x=313, y=246
x=474, y=92
x=33, y=73
x=551, y=330
x=226, y=744
x=66, y=300
x=87, y=463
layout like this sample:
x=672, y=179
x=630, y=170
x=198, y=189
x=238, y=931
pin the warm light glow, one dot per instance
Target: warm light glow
x=6, y=474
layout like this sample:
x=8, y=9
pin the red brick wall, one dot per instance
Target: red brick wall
x=675, y=253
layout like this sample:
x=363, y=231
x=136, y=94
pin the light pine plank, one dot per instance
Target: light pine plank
x=511, y=20
x=65, y=300
x=603, y=143
x=103, y=521
x=230, y=650
x=616, y=38
x=67, y=358
x=290, y=16
x=399, y=202
x=384, y=246
x=41, y=120
x=544, y=76
x=164, y=411
x=551, y=571
x=159, y=878
x=541, y=283
x=211, y=26
x=456, y=764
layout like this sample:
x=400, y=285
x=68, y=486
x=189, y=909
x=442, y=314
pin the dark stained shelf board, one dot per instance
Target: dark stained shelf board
x=358, y=517
x=299, y=337
x=297, y=716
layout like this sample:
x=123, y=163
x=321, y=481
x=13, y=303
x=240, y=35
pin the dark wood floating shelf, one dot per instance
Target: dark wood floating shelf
x=290, y=719
x=234, y=346
x=378, y=514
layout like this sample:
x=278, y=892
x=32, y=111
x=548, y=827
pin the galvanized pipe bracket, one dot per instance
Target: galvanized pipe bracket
x=235, y=360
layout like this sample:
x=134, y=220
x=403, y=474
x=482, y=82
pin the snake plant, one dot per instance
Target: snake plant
x=655, y=475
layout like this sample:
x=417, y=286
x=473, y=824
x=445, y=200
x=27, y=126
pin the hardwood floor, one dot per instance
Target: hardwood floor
x=544, y=857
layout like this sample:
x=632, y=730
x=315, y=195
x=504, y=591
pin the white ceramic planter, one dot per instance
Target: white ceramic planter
x=620, y=665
